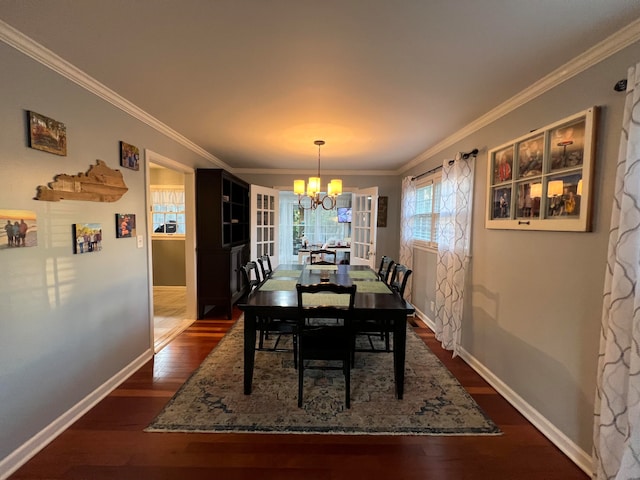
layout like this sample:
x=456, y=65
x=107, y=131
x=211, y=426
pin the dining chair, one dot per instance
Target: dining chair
x=399, y=278
x=265, y=266
x=386, y=266
x=323, y=257
x=320, y=337
x=251, y=276
x=270, y=330
x=381, y=328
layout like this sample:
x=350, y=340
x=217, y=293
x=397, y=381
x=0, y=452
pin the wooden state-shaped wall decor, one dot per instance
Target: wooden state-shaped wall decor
x=99, y=184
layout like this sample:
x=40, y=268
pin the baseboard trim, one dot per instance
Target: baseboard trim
x=548, y=429
x=31, y=447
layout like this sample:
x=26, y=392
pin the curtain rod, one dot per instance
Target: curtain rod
x=465, y=156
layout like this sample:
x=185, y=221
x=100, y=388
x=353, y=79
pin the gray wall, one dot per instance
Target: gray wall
x=68, y=323
x=532, y=316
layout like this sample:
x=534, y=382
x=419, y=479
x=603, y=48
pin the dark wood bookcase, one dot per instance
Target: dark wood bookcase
x=222, y=239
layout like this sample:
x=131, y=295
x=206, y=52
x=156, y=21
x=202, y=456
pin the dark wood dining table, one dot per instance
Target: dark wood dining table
x=277, y=298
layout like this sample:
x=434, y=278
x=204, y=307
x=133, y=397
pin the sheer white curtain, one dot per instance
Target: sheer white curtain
x=454, y=241
x=617, y=413
x=407, y=212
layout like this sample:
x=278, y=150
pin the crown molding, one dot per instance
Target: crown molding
x=46, y=57
x=594, y=55
x=285, y=171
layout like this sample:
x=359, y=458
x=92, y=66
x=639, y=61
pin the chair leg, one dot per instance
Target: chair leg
x=295, y=351
x=346, y=366
x=300, y=380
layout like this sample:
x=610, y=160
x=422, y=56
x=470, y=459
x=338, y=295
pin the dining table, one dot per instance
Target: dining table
x=276, y=297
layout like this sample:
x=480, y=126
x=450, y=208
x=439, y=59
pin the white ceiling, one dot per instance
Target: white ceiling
x=255, y=82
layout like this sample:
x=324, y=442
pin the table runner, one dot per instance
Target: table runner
x=286, y=273
x=371, y=287
x=363, y=274
x=272, y=285
x=321, y=267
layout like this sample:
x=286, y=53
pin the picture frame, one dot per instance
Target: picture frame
x=547, y=182
x=383, y=202
x=129, y=156
x=87, y=238
x=19, y=228
x=125, y=225
x=47, y=134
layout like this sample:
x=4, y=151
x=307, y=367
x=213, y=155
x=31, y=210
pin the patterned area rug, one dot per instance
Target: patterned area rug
x=212, y=399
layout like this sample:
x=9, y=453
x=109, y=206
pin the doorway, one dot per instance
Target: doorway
x=171, y=235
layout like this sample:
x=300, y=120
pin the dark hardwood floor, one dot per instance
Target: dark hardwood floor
x=109, y=442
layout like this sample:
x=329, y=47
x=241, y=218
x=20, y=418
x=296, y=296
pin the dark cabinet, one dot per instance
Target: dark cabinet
x=222, y=239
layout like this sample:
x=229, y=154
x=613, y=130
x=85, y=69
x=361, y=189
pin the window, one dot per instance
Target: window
x=542, y=180
x=425, y=221
x=167, y=210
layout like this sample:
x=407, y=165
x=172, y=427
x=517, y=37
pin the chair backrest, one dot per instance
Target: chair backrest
x=399, y=278
x=323, y=257
x=265, y=266
x=308, y=308
x=251, y=276
x=386, y=267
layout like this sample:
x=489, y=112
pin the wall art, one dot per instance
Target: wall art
x=47, y=134
x=125, y=225
x=542, y=180
x=99, y=184
x=129, y=156
x=87, y=237
x=19, y=229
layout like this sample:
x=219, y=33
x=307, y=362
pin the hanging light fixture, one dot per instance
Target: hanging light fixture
x=311, y=198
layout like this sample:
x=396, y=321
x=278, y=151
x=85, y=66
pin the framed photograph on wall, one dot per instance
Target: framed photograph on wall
x=129, y=156
x=125, y=225
x=47, y=134
x=19, y=229
x=550, y=188
x=87, y=237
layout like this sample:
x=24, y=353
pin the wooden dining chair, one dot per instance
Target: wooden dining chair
x=265, y=266
x=270, y=330
x=386, y=266
x=320, y=337
x=251, y=276
x=399, y=278
x=323, y=257
x=380, y=330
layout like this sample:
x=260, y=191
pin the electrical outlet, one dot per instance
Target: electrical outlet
x=432, y=306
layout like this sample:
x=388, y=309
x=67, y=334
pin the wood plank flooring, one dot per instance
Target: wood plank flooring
x=109, y=442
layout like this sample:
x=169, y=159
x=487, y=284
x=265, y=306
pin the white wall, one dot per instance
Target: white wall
x=532, y=316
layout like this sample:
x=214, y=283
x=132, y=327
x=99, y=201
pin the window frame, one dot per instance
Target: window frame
x=433, y=179
x=152, y=212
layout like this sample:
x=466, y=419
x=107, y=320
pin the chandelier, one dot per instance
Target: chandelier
x=311, y=197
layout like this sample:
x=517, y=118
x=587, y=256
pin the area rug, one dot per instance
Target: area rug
x=212, y=399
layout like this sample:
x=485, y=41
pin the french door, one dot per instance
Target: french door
x=363, y=227
x=265, y=215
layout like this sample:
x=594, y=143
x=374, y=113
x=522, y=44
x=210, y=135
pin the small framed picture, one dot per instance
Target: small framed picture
x=87, y=237
x=47, y=134
x=19, y=229
x=125, y=225
x=129, y=156
x=501, y=202
x=502, y=161
x=567, y=145
x=530, y=156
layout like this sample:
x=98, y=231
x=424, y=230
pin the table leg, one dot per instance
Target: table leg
x=250, y=322
x=399, y=352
